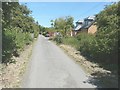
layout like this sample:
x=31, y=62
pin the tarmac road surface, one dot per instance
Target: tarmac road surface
x=50, y=67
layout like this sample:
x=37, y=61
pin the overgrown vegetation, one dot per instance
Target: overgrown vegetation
x=64, y=25
x=58, y=39
x=17, y=29
x=71, y=41
x=103, y=46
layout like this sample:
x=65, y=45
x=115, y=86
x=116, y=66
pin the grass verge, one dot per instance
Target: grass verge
x=97, y=75
x=11, y=75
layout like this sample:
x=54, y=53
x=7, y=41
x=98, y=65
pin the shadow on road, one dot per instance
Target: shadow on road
x=103, y=80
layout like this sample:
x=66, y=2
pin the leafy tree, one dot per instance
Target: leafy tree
x=6, y=12
x=107, y=35
x=69, y=21
x=52, y=23
x=59, y=23
x=104, y=46
x=64, y=24
x=17, y=28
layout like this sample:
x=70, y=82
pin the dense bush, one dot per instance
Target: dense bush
x=36, y=33
x=8, y=46
x=17, y=27
x=104, y=46
x=63, y=24
x=71, y=41
x=27, y=38
x=85, y=42
x=13, y=42
x=58, y=39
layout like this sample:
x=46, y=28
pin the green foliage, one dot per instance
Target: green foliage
x=42, y=29
x=69, y=22
x=107, y=35
x=27, y=38
x=17, y=26
x=64, y=24
x=36, y=34
x=8, y=45
x=58, y=39
x=36, y=29
x=59, y=23
x=85, y=41
x=71, y=41
x=13, y=42
x=104, y=46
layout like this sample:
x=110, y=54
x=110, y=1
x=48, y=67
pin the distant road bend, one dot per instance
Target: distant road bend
x=50, y=67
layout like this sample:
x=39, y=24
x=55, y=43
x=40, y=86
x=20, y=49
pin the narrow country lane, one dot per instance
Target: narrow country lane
x=50, y=67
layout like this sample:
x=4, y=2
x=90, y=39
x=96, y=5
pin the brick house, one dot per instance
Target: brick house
x=87, y=25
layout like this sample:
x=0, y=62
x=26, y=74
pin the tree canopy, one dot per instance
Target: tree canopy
x=104, y=46
x=17, y=26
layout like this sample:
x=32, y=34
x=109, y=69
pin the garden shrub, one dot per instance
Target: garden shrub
x=17, y=24
x=58, y=39
x=71, y=41
x=13, y=42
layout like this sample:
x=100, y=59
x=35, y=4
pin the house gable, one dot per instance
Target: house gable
x=92, y=29
x=87, y=25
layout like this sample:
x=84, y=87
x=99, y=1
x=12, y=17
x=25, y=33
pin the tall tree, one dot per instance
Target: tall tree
x=52, y=23
x=64, y=24
x=17, y=24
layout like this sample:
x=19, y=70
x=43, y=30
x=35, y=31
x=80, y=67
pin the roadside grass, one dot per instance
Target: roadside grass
x=13, y=42
x=1, y=66
x=12, y=74
x=98, y=75
x=72, y=41
x=88, y=46
x=83, y=48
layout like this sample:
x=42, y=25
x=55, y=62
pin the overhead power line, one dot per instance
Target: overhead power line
x=93, y=8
